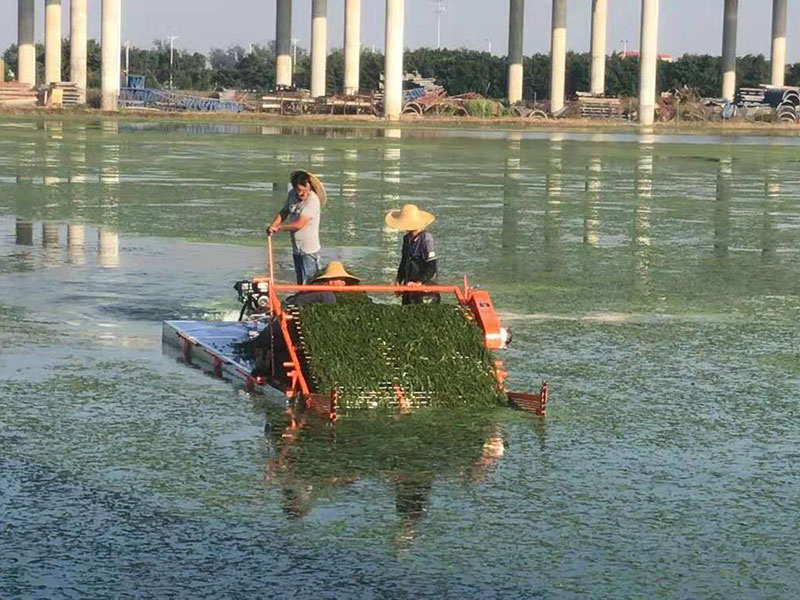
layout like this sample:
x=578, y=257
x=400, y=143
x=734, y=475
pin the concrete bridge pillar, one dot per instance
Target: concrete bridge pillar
x=283, y=43
x=516, y=29
x=778, y=42
x=52, y=41
x=77, y=36
x=648, y=57
x=26, y=60
x=111, y=33
x=558, y=55
x=729, y=26
x=319, y=46
x=599, y=32
x=393, y=67
x=352, y=46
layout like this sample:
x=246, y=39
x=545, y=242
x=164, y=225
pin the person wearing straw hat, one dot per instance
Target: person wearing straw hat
x=335, y=276
x=418, y=263
x=300, y=216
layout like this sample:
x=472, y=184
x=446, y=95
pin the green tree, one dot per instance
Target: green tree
x=752, y=70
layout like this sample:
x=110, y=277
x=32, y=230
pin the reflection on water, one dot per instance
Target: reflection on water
x=310, y=460
x=108, y=246
x=512, y=193
x=349, y=193
x=53, y=255
x=722, y=208
x=594, y=186
x=392, y=200
x=642, y=218
x=651, y=279
x=51, y=240
x=773, y=190
x=76, y=244
x=24, y=233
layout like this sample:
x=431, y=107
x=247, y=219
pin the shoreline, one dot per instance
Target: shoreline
x=414, y=122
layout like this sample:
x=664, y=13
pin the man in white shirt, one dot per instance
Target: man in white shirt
x=300, y=216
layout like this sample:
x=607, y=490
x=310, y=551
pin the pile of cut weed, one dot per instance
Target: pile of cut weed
x=373, y=354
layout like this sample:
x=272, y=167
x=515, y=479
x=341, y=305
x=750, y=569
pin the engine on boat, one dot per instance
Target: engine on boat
x=254, y=298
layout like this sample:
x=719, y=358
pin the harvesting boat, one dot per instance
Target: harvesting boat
x=356, y=354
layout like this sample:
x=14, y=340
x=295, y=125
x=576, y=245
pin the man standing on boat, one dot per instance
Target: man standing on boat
x=300, y=216
x=418, y=261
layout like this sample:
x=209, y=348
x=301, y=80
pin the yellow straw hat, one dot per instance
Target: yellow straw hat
x=335, y=270
x=409, y=218
x=316, y=185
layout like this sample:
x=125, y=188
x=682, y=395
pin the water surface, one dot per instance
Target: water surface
x=652, y=280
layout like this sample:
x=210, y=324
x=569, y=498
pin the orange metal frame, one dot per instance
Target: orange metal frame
x=477, y=301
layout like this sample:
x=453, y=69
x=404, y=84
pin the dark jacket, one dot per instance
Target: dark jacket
x=419, y=261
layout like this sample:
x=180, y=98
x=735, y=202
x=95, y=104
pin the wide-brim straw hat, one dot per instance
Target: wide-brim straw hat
x=316, y=185
x=409, y=218
x=335, y=270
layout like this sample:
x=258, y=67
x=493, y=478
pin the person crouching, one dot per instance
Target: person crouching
x=335, y=276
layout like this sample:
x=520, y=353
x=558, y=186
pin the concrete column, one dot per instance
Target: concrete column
x=648, y=58
x=319, y=46
x=599, y=32
x=111, y=33
x=352, y=46
x=778, y=41
x=730, y=22
x=558, y=55
x=26, y=63
x=516, y=29
x=77, y=37
x=52, y=41
x=393, y=68
x=283, y=43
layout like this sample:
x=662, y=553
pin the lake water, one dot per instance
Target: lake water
x=652, y=280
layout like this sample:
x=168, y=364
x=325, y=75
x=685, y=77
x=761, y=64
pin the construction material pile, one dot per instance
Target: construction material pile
x=385, y=356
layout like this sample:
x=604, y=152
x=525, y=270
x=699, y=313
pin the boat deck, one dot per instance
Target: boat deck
x=213, y=347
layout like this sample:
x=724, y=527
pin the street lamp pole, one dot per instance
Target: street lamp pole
x=172, y=39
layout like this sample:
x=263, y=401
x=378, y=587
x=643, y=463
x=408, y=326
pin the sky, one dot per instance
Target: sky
x=686, y=26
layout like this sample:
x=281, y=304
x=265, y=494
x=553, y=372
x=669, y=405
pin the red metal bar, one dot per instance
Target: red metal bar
x=269, y=260
x=423, y=289
x=535, y=403
x=299, y=379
